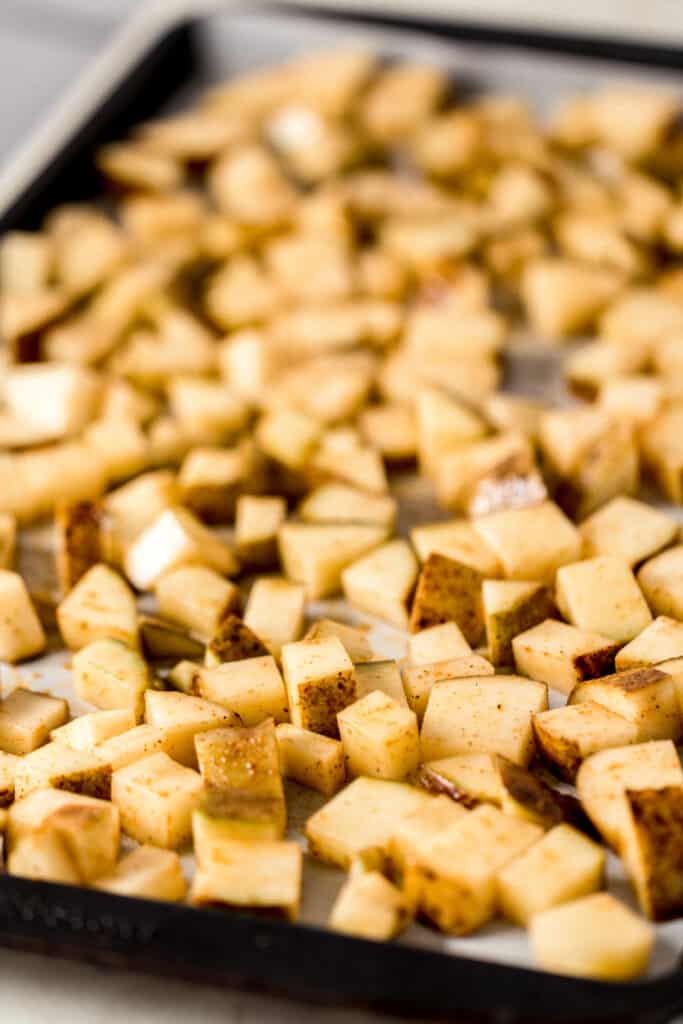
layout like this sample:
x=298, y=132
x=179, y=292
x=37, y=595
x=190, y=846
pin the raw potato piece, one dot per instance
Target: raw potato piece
x=197, y=598
x=380, y=738
x=562, y=655
x=644, y=696
x=28, y=718
x=100, y=605
x=156, y=798
x=311, y=759
x=44, y=857
x=337, y=503
x=148, y=873
x=369, y=907
x=564, y=865
x=510, y=608
x=562, y=297
x=108, y=674
x=316, y=555
x=131, y=746
x=415, y=830
x=257, y=521
x=662, y=640
x=594, y=937
x=263, y=877
x=448, y=591
x=364, y=815
x=320, y=682
x=176, y=538
x=661, y=581
x=458, y=540
x=275, y=612
x=181, y=718
x=380, y=675
x=78, y=542
x=21, y=633
x=382, y=582
x=253, y=689
x=233, y=641
x=627, y=529
x=61, y=767
x=84, y=732
x=533, y=542
x=602, y=594
x=567, y=736
x=468, y=779
x=418, y=680
x=354, y=640
x=437, y=643
x=488, y=714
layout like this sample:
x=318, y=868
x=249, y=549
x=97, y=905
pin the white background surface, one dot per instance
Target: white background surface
x=44, y=44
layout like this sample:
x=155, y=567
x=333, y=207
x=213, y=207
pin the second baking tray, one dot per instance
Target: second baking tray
x=160, y=63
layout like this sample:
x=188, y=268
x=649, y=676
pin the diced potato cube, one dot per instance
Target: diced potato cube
x=661, y=581
x=320, y=682
x=108, y=674
x=380, y=675
x=380, y=737
x=44, y=857
x=21, y=632
x=448, y=591
x=562, y=655
x=257, y=521
x=564, y=865
x=84, y=732
x=288, y=437
x=510, y=608
x=489, y=714
x=175, y=538
x=28, y=718
x=8, y=768
x=196, y=597
x=90, y=825
x=233, y=641
x=418, y=680
x=315, y=554
x=532, y=542
x=567, y=736
x=437, y=643
x=148, y=873
x=211, y=480
x=382, y=582
x=253, y=689
x=443, y=423
x=156, y=798
x=458, y=540
x=369, y=907
x=181, y=718
x=275, y=612
x=627, y=529
x=602, y=594
x=61, y=767
x=644, y=696
x=414, y=831
x=133, y=745
x=563, y=296
x=339, y=503
x=365, y=814
x=101, y=605
x=651, y=850
x=311, y=759
x=662, y=640
x=136, y=504
x=468, y=779
x=164, y=639
x=8, y=536
x=593, y=937
x=263, y=876
x=355, y=640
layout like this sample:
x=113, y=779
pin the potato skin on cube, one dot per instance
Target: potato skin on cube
x=448, y=591
x=320, y=682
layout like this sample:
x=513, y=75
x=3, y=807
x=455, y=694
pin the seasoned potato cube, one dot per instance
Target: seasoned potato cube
x=437, y=643
x=134, y=506
x=380, y=675
x=263, y=876
x=414, y=831
x=369, y=907
x=603, y=779
x=564, y=865
x=275, y=612
x=156, y=798
x=602, y=594
x=418, y=680
x=316, y=554
x=467, y=779
x=490, y=714
x=532, y=542
x=448, y=591
x=661, y=581
x=253, y=689
x=148, y=873
x=44, y=857
x=644, y=696
x=176, y=538
x=453, y=876
x=257, y=521
x=458, y=540
x=233, y=641
x=181, y=718
x=593, y=937
x=108, y=674
x=8, y=536
x=510, y=608
x=289, y=437
x=127, y=747
x=652, y=850
x=61, y=767
x=8, y=767
x=382, y=582
x=627, y=529
x=338, y=503
x=21, y=633
x=662, y=446
x=60, y=400
x=365, y=814
x=211, y=479
x=355, y=640
x=100, y=605
x=78, y=541
x=207, y=410
x=164, y=639
x=320, y=682
x=662, y=640
x=311, y=759
x=443, y=423
x=196, y=597
x=562, y=655
x=562, y=296
x=84, y=732
x=567, y=736
x=28, y=718
x=380, y=737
